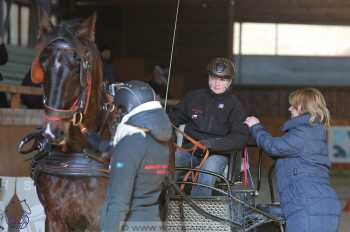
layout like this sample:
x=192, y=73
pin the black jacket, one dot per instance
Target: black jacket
x=139, y=169
x=3, y=60
x=215, y=120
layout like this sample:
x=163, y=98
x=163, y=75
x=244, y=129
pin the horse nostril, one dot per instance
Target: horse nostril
x=53, y=133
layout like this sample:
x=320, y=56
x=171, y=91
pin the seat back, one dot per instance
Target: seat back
x=179, y=136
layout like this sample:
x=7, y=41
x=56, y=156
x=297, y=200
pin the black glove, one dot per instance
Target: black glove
x=93, y=140
x=97, y=143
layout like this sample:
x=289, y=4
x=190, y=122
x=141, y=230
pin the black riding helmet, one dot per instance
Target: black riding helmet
x=131, y=94
x=221, y=68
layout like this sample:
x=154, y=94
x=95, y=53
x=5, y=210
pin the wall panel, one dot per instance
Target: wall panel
x=272, y=101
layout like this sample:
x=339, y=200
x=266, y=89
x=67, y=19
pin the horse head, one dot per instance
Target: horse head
x=68, y=64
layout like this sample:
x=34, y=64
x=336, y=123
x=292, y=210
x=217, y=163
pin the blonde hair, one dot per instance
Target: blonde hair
x=311, y=100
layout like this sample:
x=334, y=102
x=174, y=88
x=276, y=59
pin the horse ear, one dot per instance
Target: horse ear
x=87, y=28
x=45, y=25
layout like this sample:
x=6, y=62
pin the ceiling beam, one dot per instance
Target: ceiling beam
x=150, y=2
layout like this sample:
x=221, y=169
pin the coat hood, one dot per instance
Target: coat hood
x=156, y=121
x=296, y=121
x=304, y=121
x=153, y=117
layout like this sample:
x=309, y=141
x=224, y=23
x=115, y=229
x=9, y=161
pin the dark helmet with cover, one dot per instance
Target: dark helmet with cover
x=221, y=68
x=131, y=94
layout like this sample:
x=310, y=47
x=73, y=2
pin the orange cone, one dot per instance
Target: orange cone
x=347, y=207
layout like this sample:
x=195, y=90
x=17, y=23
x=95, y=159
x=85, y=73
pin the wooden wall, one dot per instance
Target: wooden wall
x=144, y=31
x=14, y=125
x=270, y=105
x=272, y=101
x=202, y=33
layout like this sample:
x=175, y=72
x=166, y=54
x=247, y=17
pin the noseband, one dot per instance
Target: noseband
x=79, y=107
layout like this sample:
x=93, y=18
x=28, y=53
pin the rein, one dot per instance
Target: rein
x=196, y=145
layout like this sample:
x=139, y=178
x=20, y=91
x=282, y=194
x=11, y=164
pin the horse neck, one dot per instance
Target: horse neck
x=94, y=111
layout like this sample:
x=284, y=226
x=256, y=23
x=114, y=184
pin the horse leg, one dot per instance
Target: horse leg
x=72, y=204
x=54, y=219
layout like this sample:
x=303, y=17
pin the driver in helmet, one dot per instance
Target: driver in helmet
x=139, y=158
x=213, y=116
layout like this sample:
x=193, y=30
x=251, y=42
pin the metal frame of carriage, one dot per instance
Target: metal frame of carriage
x=233, y=210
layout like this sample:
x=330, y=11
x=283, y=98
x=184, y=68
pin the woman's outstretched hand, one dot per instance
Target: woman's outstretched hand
x=251, y=121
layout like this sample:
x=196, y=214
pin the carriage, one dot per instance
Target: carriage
x=69, y=65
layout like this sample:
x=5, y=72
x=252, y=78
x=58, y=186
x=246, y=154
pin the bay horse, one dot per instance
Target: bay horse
x=70, y=185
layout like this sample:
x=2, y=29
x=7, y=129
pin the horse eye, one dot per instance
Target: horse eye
x=75, y=67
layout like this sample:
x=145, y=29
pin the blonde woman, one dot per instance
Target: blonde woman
x=308, y=201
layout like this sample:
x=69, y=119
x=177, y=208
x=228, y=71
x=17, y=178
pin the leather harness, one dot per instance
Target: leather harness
x=78, y=109
x=196, y=145
x=73, y=164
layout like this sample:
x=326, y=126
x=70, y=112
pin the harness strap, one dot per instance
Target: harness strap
x=74, y=164
x=193, y=173
x=245, y=166
x=196, y=145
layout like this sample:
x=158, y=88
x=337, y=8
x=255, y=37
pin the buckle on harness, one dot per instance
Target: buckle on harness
x=77, y=118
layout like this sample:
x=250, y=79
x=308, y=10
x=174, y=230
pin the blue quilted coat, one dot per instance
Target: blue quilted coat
x=308, y=201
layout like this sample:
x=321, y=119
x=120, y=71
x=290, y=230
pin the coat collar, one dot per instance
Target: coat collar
x=297, y=121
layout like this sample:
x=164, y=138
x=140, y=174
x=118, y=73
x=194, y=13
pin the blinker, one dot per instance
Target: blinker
x=37, y=73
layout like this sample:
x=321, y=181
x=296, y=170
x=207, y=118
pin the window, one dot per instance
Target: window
x=19, y=24
x=25, y=12
x=291, y=39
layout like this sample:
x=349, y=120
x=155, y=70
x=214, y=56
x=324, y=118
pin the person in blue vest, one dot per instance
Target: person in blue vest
x=308, y=201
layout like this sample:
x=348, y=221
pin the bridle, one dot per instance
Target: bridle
x=78, y=109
